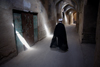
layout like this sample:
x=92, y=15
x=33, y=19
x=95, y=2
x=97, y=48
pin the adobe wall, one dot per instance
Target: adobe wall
x=7, y=37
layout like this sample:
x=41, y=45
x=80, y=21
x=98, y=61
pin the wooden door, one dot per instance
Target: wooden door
x=27, y=25
x=18, y=31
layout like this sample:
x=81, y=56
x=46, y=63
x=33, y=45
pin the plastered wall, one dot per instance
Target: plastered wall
x=7, y=37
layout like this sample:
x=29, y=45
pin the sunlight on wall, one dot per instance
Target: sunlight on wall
x=12, y=24
x=56, y=23
x=22, y=40
x=71, y=18
x=47, y=31
x=45, y=20
x=66, y=19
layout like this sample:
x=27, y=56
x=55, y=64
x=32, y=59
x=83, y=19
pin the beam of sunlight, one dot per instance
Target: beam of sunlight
x=13, y=24
x=50, y=35
x=44, y=18
x=56, y=23
x=66, y=19
x=45, y=25
x=22, y=40
x=47, y=31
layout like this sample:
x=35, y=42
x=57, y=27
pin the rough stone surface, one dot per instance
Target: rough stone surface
x=97, y=51
x=7, y=36
x=90, y=21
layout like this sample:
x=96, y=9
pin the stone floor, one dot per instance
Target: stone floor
x=40, y=55
x=88, y=54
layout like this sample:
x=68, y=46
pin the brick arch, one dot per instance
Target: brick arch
x=64, y=5
x=68, y=15
x=70, y=9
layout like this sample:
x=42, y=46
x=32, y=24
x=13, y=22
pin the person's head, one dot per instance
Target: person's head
x=60, y=20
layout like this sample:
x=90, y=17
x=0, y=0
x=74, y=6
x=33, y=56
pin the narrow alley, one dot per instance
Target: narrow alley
x=41, y=55
x=27, y=28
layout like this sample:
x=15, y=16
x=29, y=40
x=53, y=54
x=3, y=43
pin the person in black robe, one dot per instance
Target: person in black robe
x=60, y=39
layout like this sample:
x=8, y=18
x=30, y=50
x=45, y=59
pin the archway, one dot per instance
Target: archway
x=70, y=14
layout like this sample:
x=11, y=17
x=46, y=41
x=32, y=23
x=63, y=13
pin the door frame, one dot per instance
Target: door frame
x=20, y=11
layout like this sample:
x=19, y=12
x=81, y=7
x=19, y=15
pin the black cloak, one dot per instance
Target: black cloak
x=60, y=37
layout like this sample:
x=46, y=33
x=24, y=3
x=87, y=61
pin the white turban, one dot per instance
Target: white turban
x=60, y=20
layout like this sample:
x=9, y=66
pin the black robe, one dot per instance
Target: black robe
x=60, y=33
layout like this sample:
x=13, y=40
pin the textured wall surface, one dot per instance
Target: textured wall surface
x=80, y=19
x=7, y=37
x=90, y=21
x=97, y=51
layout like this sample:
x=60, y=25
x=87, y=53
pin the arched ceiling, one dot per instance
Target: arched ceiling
x=70, y=10
x=67, y=5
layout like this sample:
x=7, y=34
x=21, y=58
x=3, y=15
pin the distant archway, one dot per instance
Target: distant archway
x=69, y=14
